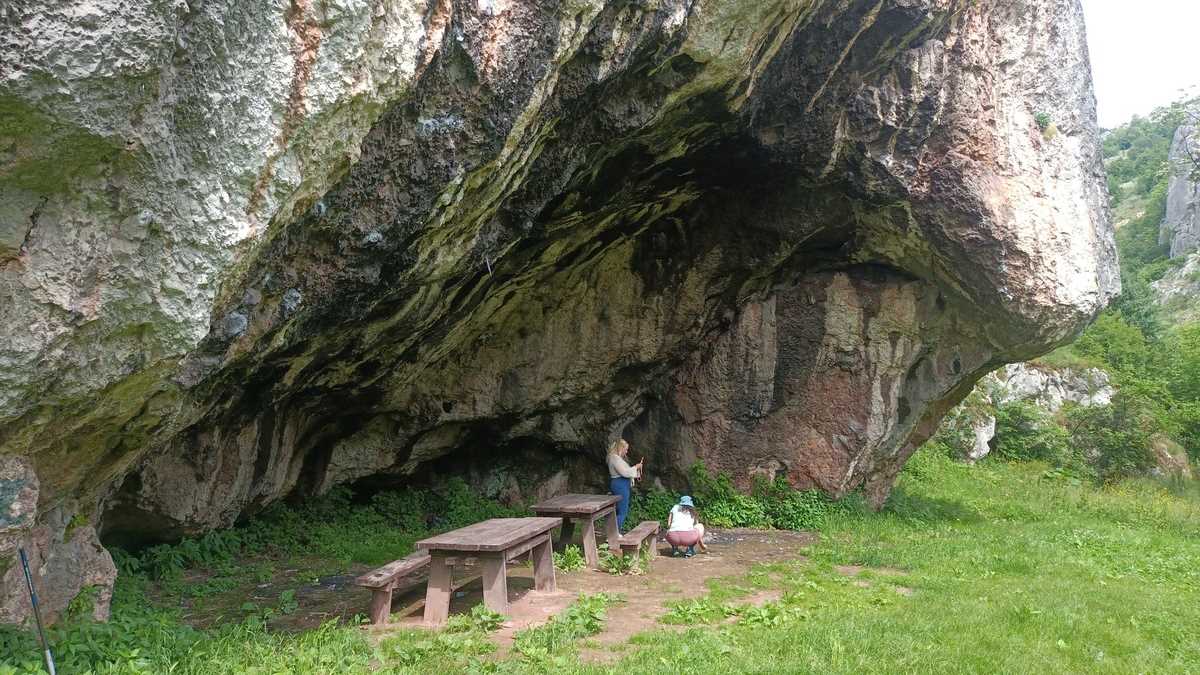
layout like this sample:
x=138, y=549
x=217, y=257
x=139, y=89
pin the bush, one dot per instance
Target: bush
x=651, y=505
x=790, y=509
x=1115, y=438
x=770, y=504
x=1025, y=432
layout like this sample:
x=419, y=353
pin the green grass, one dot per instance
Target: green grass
x=1011, y=568
x=1010, y=572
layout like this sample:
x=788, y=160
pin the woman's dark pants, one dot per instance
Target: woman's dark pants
x=620, y=487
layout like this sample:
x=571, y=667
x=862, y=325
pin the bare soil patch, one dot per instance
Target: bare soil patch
x=320, y=598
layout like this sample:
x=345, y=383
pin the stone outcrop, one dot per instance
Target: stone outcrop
x=974, y=420
x=1049, y=388
x=1181, y=224
x=1177, y=290
x=252, y=250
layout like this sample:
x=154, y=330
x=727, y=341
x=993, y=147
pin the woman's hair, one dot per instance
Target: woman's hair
x=616, y=446
x=690, y=510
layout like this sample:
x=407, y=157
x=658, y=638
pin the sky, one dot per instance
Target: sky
x=1143, y=52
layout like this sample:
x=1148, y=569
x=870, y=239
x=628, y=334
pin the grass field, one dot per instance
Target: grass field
x=993, y=568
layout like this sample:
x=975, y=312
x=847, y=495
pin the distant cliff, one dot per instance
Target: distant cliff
x=1181, y=226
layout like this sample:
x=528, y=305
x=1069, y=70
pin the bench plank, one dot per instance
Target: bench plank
x=387, y=574
x=632, y=541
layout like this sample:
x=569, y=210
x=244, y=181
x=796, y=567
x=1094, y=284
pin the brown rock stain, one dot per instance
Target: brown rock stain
x=306, y=42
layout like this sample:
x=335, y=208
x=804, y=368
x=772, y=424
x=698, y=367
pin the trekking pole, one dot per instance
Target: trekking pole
x=37, y=613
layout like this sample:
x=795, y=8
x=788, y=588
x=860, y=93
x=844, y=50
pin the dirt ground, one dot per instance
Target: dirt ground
x=731, y=553
x=316, y=599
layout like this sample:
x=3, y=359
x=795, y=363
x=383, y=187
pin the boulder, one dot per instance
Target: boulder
x=253, y=250
x=1170, y=459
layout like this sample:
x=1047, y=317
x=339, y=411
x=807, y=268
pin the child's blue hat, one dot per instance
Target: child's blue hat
x=686, y=501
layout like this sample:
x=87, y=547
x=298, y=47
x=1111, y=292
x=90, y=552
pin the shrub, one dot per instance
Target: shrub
x=1025, y=432
x=790, y=509
x=652, y=504
x=1116, y=437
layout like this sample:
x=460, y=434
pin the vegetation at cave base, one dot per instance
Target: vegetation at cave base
x=1006, y=565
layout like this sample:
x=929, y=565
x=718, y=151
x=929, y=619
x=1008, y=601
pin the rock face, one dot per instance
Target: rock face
x=1050, y=388
x=252, y=250
x=1047, y=388
x=1181, y=225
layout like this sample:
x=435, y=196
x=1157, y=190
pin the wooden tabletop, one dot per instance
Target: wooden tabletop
x=575, y=504
x=497, y=534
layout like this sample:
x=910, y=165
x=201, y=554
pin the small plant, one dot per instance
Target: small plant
x=614, y=563
x=481, y=618
x=570, y=560
x=287, y=602
x=698, y=611
x=583, y=618
x=1042, y=120
x=769, y=615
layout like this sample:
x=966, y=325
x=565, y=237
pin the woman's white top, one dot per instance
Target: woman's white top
x=681, y=521
x=619, y=468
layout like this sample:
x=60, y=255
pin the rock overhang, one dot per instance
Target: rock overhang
x=778, y=235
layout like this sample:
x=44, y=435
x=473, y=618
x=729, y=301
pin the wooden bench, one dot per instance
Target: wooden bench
x=385, y=579
x=631, y=542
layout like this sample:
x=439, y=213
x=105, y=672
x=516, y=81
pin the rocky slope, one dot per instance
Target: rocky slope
x=252, y=250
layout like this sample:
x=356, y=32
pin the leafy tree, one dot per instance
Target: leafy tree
x=1115, y=438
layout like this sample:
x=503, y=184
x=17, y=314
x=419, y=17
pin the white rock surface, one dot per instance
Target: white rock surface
x=1050, y=388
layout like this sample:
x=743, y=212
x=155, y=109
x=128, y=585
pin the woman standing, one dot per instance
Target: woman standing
x=620, y=477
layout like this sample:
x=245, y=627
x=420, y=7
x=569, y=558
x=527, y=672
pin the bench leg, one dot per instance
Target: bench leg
x=495, y=583
x=568, y=531
x=590, y=552
x=543, y=567
x=437, y=592
x=381, y=605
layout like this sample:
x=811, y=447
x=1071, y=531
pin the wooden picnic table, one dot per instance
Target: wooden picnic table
x=586, y=509
x=493, y=543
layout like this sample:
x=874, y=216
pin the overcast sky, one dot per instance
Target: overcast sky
x=1143, y=52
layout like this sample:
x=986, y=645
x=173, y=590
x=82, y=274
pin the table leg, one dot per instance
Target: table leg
x=614, y=535
x=568, y=530
x=437, y=591
x=543, y=567
x=590, y=554
x=495, y=583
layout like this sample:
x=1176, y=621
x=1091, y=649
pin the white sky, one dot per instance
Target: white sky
x=1143, y=52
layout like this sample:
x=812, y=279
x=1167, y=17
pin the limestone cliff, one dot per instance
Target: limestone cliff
x=253, y=250
x=1181, y=224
